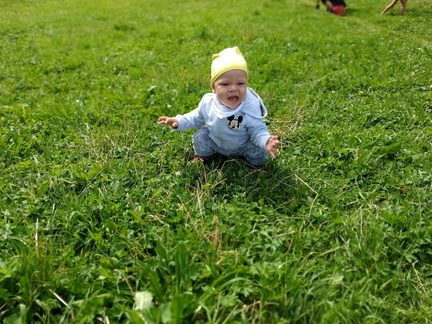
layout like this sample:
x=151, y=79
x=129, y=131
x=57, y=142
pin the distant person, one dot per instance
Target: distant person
x=230, y=119
x=391, y=5
x=334, y=6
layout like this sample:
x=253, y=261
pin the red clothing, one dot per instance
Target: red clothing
x=338, y=10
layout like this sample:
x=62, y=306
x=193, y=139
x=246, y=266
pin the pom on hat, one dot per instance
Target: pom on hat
x=227, y=60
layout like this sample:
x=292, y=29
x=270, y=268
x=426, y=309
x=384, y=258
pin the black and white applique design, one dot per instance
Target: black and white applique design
x=234, y=124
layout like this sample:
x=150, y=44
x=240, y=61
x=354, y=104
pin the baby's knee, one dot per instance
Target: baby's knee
x=255, y=155
x=201, y=134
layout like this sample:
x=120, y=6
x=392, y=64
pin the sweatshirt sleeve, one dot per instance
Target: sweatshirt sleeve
x=193, y=119
x=259, y=133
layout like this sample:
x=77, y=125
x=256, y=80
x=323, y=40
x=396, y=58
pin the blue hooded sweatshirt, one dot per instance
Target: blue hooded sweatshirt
x=229, y=128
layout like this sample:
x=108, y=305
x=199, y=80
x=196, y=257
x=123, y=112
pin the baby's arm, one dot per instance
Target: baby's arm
x=171, y=121
x=272, y=142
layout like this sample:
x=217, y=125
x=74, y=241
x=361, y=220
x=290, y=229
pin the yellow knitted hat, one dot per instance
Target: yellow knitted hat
x=227, y=60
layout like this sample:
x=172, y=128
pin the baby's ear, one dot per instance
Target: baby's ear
x=213, y=88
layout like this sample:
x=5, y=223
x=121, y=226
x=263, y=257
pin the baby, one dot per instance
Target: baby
x=230, y=119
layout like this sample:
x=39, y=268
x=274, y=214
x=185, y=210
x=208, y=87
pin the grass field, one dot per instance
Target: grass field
x=103, y=219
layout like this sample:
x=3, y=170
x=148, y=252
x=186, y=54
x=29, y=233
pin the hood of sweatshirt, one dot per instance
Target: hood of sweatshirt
x=252, y=106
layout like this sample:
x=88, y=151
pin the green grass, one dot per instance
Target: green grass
x=103, y=219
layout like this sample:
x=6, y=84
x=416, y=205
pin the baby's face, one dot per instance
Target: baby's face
x=231, y=87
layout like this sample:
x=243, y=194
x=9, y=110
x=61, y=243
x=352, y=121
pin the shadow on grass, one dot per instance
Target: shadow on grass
x=273, y=185
x=350, y=12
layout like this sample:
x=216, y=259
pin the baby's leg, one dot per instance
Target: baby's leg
x=202, y=143
x=253, y=154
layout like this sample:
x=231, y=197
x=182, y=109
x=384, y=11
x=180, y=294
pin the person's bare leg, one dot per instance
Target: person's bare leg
x=403, y=8
x=329, y=5
x=390, y=6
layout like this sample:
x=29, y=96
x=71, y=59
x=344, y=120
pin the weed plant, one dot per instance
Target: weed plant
x=103, y=219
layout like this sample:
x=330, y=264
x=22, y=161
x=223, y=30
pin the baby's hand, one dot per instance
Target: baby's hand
x=173, y=122
x=271, y=146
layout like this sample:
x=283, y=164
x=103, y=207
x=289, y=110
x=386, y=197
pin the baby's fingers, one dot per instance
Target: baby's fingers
x=272, y=153
x=162, y=120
